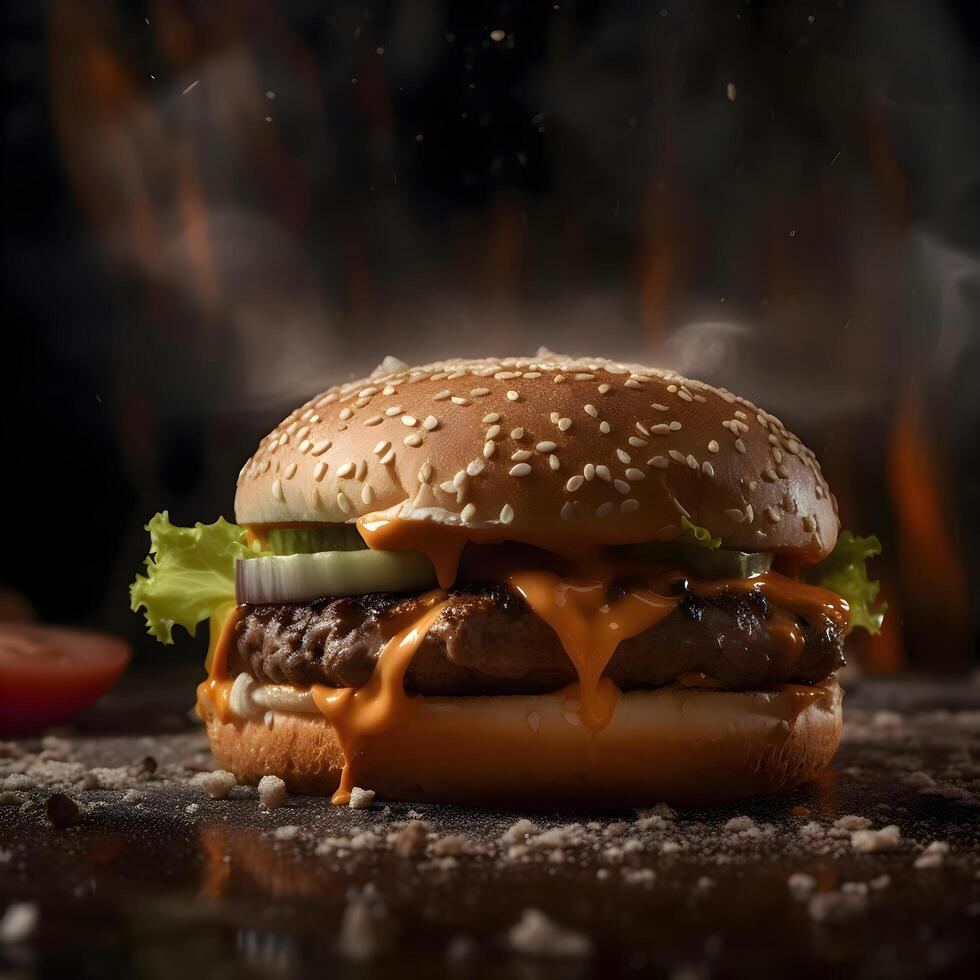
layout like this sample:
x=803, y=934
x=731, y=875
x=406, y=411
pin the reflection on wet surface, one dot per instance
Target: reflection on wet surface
x=158, y=878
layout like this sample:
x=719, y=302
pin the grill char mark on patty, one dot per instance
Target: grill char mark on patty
x=487, y=641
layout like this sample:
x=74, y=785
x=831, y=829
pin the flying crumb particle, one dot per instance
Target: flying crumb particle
x=852, y=822
x=519, y=832
x=537, y=935
x=360, y=798
x=740, y=823
x=217, y=784
x=837, y=907
x=497, y=35
x=872, y=841
x=62, y=811
x=192, y=808
x=18, y=922
x=286, y=832
x=731, y=92
x=272, y=793
x=361, y=936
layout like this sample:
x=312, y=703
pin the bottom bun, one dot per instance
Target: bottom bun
x=667, y=745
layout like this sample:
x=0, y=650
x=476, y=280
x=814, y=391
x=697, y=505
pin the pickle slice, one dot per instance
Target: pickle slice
x=309, y=541
x=702, y=563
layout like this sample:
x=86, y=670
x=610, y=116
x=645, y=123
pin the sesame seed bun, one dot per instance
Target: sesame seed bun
x=679, y=746
x=607, y=452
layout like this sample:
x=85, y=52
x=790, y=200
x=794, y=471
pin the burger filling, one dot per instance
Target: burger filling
x=487, y=641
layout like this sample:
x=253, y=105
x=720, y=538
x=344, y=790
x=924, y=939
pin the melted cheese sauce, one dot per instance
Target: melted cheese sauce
x=574, y=604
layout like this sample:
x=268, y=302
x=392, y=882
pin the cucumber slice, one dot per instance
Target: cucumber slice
x=308, y=541
x=295, y=578
x=718, y=564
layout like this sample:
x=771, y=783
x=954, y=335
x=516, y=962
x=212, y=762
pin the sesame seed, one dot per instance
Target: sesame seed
x=504, y=375
x=567, y=510
x=321, y=447
x=374, y=420
x=604, y=510
x=783, y=472
x=409, y=420
x=676, y=456
x=632, y=383
x=425, y=473
x=661, y=429
x=304, y=446
x=554, y=418
x=345, y=470
x=517, y=433
x=521, y=455
x=603, y=388
x=773, y=515
x=521, y=469
x=346, y=414
x=792, y=447
x=343, y=503
x=564, y=424
x=381, y=447
x=367, y=392
x=441, y=396
x=559, y=378
x=389, y=457
x=604, y=427
x=367, y=494
x=290, y=471
x=448, y=487
x=393, y=410
x=777, y=455
x=809, y=524
x=583, y=377
x=319, y=470
x=692, y=462
x=546, y=447
x=468, y=513
x=749, y=516
x=430, y=424
x=675, y=426
x=672, y=389
x=361, y=469
x=707, y=469
x=634, y=474
x=554, y=462
x=459, y=480
x=532, y=374
x=591, y=410
x=713, y=446
x=475, y=467
x=459, y=400
x=493, y=432
x=277, y=490
x=414, y=440
x=734, y=514
x=574, y=483
x=506, y=514
x=513, y=396
x=589, y=471
x=603, y=473
x=628, y=506
x=488, y=449
x=740, y=446
x=685, y=394
x=479, y=392
x=491, y=418
x=622, y=486
x=637, y=442
x=658, y=407
x=623, y=456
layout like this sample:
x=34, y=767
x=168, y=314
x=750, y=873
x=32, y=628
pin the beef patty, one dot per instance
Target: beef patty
x=487, y=641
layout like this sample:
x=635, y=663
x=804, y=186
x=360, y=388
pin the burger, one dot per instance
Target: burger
x=529, y=580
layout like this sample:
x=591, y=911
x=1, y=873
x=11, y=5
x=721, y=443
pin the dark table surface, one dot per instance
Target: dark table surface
x=157, y=879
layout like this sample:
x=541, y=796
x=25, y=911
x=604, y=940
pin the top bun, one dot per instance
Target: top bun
x=547, y=445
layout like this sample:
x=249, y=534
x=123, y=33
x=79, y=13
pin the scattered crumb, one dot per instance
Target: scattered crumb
x=217, y=784
x=519, y=832
x=360, y=799
x=933, y=856
x=537, y=935
x=62, y=811
x=361, y=937
x=286, y=832
x=872, y=841
x=852, y=822
x=882, y=881
x=639, y=876
x=192, y=808
x=133, y=796
x=411, y=839
x=272, y=793
x=837, y=906
x=461, y=948
x=452, y=845
x=18, y=922
x=740, y=823
x=801, y=885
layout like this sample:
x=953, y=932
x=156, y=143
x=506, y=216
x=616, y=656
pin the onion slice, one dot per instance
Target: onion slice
x=295, y=578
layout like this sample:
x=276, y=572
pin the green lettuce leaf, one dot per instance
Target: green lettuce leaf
x=693, y=534
x=190, y=574
x=844, y=571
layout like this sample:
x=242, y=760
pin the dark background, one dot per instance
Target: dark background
x=213, y=210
